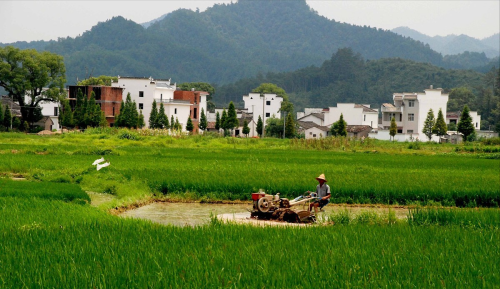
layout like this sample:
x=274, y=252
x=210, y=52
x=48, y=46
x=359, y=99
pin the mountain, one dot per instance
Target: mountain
x=226, y=42
x=347, y=77
x=454, y=44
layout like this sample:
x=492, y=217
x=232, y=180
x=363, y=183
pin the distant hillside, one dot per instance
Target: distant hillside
x=226, y=42
x=453, y=44
x=347, y=77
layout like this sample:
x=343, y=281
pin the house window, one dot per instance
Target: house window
x=141, y=93
x=195, y=113
x=411, y=117
x=268, y=102
x=477, y=124
x=314, y=135
x=411, y=103
x=268, y=114
x=400, y=117
x=141, y=105
x=161, y=97
x=400, y=131
x=175, y=111
x=310, y=133
x=409, y=131
x=55, y=111
x=364, y=117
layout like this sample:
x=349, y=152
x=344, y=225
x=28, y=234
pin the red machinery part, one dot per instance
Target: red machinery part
x=257, y=196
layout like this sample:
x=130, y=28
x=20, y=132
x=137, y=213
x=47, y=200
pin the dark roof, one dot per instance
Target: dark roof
x=315, y=114
x=357, y=128
x=387, y=105
x=453, y=114
x=365, y=108
x=249, y=119
x=7, y=101
x=306, y=124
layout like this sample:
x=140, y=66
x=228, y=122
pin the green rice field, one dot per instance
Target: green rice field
x=51, y=237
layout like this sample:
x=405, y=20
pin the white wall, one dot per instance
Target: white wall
x=431, y=98
x=352, y=115
x=48, y=110
x=179, y=111
x=315, y=133
x=312, y=118
x=256, y=103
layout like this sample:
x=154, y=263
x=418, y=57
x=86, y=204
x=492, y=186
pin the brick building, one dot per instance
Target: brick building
x=198, y=100
x=108, y=97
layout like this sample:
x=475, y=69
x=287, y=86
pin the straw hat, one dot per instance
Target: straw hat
x=321, y=177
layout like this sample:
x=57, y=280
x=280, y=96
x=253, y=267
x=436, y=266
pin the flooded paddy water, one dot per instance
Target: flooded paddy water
x=193, y=214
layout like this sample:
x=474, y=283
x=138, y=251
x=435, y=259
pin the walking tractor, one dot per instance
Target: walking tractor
x=272, y=207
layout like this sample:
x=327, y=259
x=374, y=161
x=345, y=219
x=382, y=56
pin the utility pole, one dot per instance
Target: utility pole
x=263, y=114
x=284, y=120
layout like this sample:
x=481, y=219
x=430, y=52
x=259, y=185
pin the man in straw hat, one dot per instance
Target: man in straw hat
x=322, y=192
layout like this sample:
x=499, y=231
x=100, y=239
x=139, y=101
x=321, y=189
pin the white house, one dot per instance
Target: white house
x=51, y=110
x=315, y=117
x=454, y=117
x=265, y=105
x=354, y=114
x=410, y=111
x=144, y=90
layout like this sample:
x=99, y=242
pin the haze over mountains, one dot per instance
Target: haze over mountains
x=455, y=44
x=229, y=42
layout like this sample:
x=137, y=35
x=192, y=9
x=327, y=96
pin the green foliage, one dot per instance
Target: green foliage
x=1, y=114
x=128, y=113
x=289, y=126
x=232, y=119
x=393, y=129
x=274, y=127
x=223, y=120
x=465, y=126
x=459, y=97
x=286, y=105
x=339, y=128
x=203, y=120
x=100, y=80
x=7, y=118
x=93, y=112
x=429, y=124
x=440, y=128
x=217, y=122
x=162, y=119
x=189, y=125
x=259, y=126
x=79, y=112
x=246, y=129
x=140, y=121
x=153, y=117
x=66, y=116
x=468, y=218
x=44, y=190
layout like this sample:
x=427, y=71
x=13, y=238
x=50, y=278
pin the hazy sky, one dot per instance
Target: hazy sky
x=45, y=20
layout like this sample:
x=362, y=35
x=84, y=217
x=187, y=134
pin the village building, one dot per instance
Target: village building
x=107, y=97
x=264, y=105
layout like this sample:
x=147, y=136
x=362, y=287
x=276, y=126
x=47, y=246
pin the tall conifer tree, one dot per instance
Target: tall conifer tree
x=153, y=117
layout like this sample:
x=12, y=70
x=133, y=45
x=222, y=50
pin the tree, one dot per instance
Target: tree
x=189, y=125
x=232, y=119
x=153, y=117
x=393, y=129
x=274, y=127
x=259, y=126
x=162, y=119
x=286, y=105
x=177, y=124
x=172, y=122
x=223, y=120
x=92, y=112
x=102, y=120
x=66, y=116
x=289, y=126
x=246, y=129
x=140, y=121
x=339, y=128
x=440, y=128
x=7, y=118
x=30, y=77
x=459, y=97
x=100, y=80
x=429, y=124
x=217, y=122
x=201, y=86
x=203, y=120
x=465, y=126
x=1, y=115
x=79, y=113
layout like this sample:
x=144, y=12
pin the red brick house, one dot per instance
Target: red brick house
x=108, y=97
x=198, y=100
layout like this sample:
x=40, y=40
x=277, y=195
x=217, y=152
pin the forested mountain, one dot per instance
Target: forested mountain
x=227, y=42
x=455, y=44
x=347, y=77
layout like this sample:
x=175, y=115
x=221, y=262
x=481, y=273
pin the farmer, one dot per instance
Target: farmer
x=322, y=192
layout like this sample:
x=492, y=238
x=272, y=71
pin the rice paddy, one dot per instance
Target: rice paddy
x=50, y=236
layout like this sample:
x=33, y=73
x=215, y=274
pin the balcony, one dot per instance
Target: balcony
x=391, y=109
x=172, y=101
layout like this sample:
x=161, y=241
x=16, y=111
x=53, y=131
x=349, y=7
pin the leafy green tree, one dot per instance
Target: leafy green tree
x=130, y=114
x=274, y=127
x=440, y=128
x=102, y=120
x=203, y=120
x=429, y=124
x=31, y=77
x=140, y=121
x=286, y=105
x=16, y=123
x=393, y=129
x=465, y=126
x=223, y=120
x=1, y=114
x=452, y=126
x=135, y=114
x=7, y=118
x=289, y=126
x=162, y=119
x=259, y=126
x=232, y=119
x=246, y=129
x=153, y=117
x=79, y=112
x=172, y=122
x=119, y=117
x=201, y=86
x=177, y=124
x=339, y=128
x=189, y=125
x=66, y=116
x=100, y=80
x=217, y=122
x=459, y=97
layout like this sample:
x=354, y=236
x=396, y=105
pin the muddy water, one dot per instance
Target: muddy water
x=193, y=214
